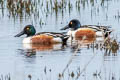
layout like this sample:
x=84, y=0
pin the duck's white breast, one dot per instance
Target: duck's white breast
x=27, y=40
x=71, y=33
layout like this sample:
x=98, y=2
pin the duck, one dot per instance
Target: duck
x=45, y=38
x=76, y=30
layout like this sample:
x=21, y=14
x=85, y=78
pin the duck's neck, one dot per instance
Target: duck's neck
x=29, y=35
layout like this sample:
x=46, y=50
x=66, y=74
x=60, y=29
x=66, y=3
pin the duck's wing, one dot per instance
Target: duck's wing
x=63, y=36
x=55, y=35
x=105, y=29
x=97, y=27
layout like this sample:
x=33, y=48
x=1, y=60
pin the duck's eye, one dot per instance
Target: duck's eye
x=27, y=28
x=71, y=23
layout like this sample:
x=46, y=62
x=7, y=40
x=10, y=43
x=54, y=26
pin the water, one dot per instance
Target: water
x=49, y=62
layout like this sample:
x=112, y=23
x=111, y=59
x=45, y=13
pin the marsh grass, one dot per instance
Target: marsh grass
x=39, y=8
x=5, y=77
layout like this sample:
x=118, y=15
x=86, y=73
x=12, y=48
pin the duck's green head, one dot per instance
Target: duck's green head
x=29, y=30
x=74, y=24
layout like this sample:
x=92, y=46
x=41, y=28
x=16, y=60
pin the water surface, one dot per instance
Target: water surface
x=49, y=62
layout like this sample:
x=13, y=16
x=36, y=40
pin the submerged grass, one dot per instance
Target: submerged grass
x=111, y=45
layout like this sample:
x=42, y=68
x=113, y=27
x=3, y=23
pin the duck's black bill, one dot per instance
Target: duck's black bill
x=64, y=28
x=19, y=34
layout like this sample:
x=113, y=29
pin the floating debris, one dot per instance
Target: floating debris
x=29, y=76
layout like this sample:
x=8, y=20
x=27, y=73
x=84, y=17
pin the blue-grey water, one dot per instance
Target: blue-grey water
x=49, y=62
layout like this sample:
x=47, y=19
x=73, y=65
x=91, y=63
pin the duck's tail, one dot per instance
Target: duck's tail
x=107, y=33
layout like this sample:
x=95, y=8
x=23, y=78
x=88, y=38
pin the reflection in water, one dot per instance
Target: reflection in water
x=86, y=42
x=27, y=52
x=109, y=46
x=40, y=47
x=90, y=43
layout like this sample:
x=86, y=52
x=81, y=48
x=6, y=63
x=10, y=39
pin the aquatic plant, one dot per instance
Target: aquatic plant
x=5, y=77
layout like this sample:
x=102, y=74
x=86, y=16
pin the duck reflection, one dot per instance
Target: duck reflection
x=40, y=47
x=30, y=50
x=86, y=41
x=27, y=52
x=94, y=43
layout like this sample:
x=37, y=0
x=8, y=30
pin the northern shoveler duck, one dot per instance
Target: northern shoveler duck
x=42, y=37
x=89, y=31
